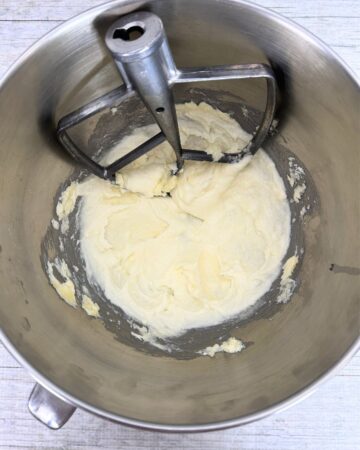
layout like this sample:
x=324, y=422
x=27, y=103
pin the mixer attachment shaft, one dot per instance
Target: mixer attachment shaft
x=142, y=55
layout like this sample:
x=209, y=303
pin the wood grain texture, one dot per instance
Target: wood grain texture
x=63, y=9
x=329, y=419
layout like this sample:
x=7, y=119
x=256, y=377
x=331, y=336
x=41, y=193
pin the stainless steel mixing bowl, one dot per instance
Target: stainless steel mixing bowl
x=77, y=359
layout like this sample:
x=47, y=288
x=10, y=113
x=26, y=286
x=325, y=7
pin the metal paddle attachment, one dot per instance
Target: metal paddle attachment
x=142, y=54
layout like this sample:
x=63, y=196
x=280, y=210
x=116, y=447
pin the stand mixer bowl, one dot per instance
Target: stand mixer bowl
x=76, y=358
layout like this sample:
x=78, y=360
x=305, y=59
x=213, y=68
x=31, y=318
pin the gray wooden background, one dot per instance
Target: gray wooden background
x=329, y=419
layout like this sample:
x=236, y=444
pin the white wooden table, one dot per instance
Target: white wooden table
x=330, y=419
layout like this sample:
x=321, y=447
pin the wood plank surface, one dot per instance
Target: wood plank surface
x=329, y=419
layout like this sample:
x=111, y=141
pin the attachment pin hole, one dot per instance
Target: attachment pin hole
x=129, y=34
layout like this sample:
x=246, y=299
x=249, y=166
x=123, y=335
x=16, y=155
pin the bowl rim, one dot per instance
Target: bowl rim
x=154, y=426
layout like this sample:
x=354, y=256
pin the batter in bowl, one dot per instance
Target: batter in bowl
x=186, y=251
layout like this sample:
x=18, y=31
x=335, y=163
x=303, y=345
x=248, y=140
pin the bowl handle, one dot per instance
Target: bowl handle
x=49, y=409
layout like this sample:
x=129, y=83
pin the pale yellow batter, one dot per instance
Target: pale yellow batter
x=199, y=256
x=190, y=259
x=232, y=345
